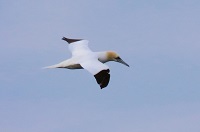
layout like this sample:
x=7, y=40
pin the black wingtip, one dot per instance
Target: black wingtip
x=70, y=40
x=105, y=81
x=103, y=78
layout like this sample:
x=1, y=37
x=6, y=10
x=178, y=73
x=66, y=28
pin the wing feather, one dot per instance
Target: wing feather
x=99, y=70
x=93, y=66
x=79, y=48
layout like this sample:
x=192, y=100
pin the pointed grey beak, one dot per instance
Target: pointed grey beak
x=118, y=59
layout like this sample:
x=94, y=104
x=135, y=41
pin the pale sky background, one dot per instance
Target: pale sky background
x=159, y=39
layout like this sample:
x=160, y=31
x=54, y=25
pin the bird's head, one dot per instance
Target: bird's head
x=113, y=56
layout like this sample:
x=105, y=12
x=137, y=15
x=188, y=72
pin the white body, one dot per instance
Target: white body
x=83, y=57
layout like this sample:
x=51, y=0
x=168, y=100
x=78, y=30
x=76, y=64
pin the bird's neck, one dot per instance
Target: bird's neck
x=103, y=56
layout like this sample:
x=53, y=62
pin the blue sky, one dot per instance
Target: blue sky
x=158, y=93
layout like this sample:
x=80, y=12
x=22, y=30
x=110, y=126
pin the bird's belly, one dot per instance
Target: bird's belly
x=74, y=66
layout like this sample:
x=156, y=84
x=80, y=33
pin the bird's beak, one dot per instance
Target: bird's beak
x=118, y=59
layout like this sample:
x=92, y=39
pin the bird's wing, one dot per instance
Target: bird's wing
x=99, y=70
x=79, y=47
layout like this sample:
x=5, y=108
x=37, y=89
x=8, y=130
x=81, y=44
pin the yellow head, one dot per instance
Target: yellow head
x=113, y=56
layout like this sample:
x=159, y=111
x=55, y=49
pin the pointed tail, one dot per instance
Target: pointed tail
x=50, y=67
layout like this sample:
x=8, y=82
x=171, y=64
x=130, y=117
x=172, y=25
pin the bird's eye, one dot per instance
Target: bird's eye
x=118, y=58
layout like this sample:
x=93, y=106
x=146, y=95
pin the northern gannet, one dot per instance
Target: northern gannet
x=93, y=62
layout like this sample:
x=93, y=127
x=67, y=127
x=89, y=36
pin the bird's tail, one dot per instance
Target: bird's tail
x=52, y=66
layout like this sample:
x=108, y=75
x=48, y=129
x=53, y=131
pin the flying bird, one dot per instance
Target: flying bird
x=93, y=62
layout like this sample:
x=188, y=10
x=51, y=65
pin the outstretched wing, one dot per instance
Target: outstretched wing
x=78, y=46
x=99, y=70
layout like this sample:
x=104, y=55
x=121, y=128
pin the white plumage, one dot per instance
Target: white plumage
x=83, y=57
